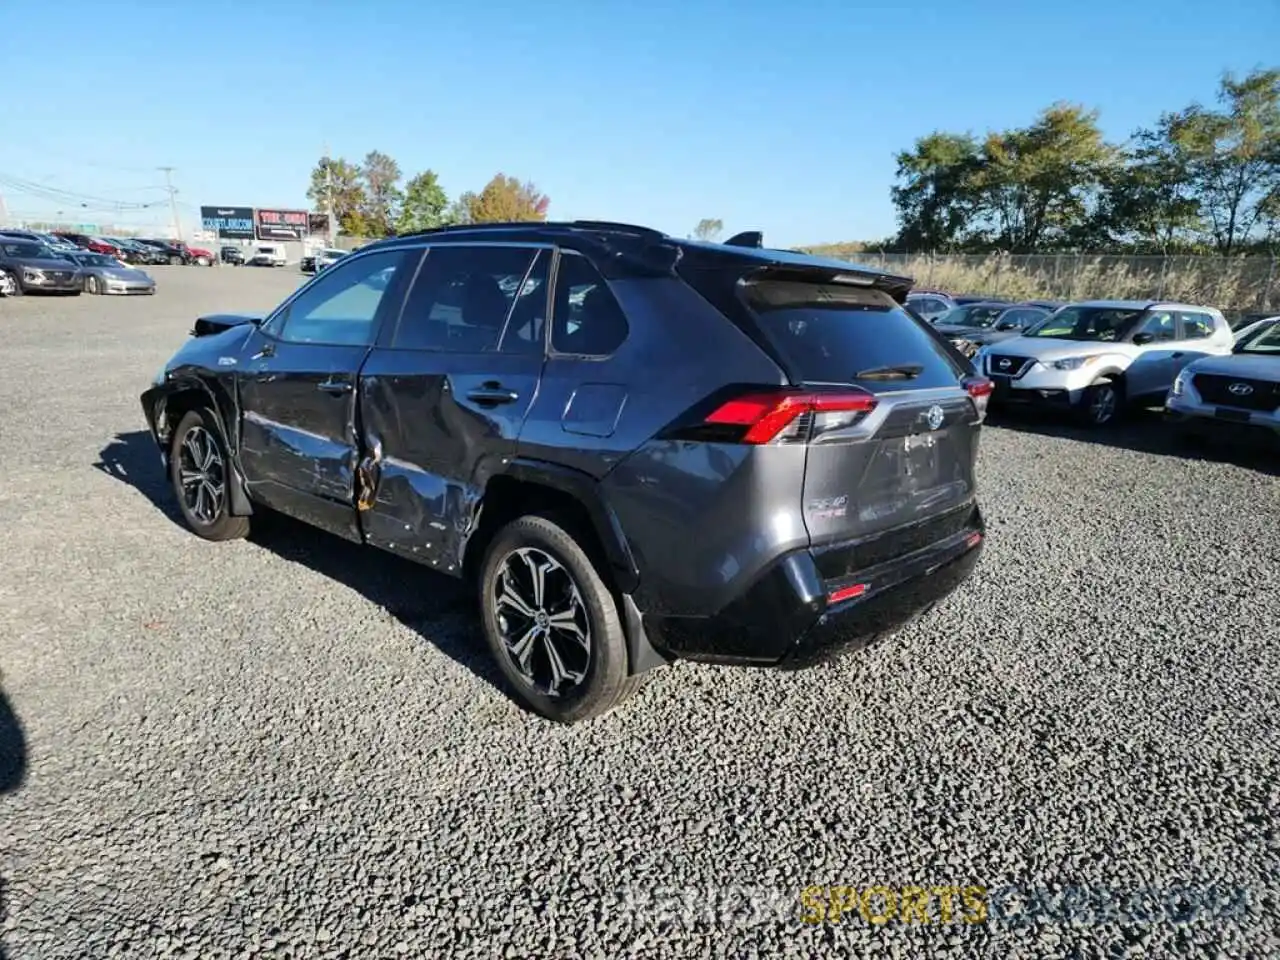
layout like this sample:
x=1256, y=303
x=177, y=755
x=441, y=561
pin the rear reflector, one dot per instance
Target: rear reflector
x=765, y=415
x=973, y=540
x=847, y=593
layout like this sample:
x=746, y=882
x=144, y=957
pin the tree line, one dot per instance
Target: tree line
x=1203, y=179
x=369, y=200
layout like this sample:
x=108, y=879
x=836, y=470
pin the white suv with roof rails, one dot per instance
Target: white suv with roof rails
x=1094, y=358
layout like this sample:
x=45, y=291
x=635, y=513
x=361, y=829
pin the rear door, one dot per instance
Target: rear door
x=910, y=458
x=298, y=444
x=444, y=394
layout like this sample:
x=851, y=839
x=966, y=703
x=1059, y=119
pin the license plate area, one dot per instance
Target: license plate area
x=1235, y=416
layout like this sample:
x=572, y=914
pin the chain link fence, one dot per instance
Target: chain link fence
x=1236, y=284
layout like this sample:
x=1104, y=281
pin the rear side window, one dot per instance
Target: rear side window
x=830, y=333
x=588, y=320
x=463, y=297
x=1196, y=326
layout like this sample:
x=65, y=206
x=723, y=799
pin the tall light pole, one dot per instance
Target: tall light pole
x=328, y=198
x=173, y=203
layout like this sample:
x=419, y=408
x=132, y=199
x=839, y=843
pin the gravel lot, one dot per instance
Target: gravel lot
x=294, y=747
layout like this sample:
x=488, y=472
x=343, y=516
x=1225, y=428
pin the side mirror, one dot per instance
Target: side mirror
x=1007, y=325
x=1142, y=339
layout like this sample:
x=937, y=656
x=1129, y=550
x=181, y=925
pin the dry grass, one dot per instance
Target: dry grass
x=1236, y=284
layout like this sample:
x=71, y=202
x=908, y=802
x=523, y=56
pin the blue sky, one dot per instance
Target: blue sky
x=781, y=116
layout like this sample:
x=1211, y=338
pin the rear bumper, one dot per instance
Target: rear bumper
x=785, y=619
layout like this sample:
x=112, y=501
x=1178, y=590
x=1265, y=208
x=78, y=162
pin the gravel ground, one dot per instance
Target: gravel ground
x=293, y=747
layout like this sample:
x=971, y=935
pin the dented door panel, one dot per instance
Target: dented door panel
x=431, y=446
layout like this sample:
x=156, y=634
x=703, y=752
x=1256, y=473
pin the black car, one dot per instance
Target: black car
x=973, y=325
x=639, y=448
x=232, y=255
x=29, y=267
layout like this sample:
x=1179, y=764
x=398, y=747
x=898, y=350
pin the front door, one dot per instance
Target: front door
x=298, y=444
x=444, y=394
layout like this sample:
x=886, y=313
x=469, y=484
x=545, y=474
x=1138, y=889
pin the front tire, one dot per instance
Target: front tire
x=9, y=284
x=1102, y=403
x=552, y=623
x=200, y=472
x=91, y=284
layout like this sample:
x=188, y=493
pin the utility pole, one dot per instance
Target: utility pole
x=4, y=213
x=173, y=203
x=328, y=196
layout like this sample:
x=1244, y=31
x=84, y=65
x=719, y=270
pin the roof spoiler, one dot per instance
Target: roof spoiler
x=747, y=238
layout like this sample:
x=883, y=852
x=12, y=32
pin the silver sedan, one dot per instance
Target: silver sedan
x=104, y=274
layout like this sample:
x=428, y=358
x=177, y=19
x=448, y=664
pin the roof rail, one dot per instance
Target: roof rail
x=747, y=238
x=540, y=224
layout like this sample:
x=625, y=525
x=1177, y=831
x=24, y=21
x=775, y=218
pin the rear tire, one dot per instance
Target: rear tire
x=551, y=622
x=200, y=472
x=175, y=261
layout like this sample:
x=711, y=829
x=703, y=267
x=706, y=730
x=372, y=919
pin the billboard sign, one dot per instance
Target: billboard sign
x=229, y=223
x=281, y=224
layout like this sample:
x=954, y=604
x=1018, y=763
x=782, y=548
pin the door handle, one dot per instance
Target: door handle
x=492, y=393
x=335, y=386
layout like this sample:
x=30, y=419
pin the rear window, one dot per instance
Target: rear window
x=833, y=333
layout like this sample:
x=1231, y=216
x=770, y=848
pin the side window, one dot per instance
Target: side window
x=1161, y=325
x=588, y=320
x=341, y=306
x=463, y=296
x=1196, y=326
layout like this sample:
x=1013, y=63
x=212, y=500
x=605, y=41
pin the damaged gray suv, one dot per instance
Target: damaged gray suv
x=637, y=448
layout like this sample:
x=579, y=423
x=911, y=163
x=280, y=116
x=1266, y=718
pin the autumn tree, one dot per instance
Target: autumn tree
x=337, y=182
x=504, y=200
x=383, y=198
x=1149, y=201
x=425, y=204
x=1233, y=156
x=708, y=229
x=935, y=193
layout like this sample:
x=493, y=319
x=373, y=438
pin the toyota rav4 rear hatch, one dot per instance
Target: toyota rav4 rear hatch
x=890, y=414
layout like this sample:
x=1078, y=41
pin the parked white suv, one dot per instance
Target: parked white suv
x=1094, y=358
x=1238, y=395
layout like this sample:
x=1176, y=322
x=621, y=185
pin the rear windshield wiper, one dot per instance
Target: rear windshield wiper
x=903, y=371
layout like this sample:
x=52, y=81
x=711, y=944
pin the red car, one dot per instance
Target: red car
x=92, y=244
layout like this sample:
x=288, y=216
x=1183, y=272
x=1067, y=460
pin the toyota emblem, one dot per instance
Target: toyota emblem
x=935, y=416
x=1240, y=389
x=1005, y=363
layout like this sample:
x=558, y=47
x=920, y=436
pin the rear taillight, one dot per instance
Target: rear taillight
x=979, y=388
x=780, y=415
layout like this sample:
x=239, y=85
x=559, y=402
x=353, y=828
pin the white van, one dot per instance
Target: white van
x=267, y=255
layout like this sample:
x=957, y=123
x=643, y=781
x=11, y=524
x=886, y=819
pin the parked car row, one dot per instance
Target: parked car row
x=130, y=250
x=1097, y=358
x=28, y=266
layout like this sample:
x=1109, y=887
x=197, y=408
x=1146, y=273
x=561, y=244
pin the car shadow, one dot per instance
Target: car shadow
x=13, y=748
x=13, y=771
x=438, y=608
x=1142, y=430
